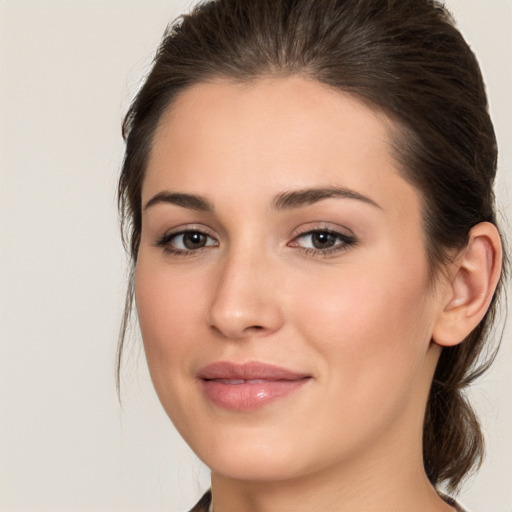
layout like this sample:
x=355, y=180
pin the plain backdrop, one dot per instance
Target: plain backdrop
x=68, y=70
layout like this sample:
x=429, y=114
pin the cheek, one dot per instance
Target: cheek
x=371, y=322
x=169, y=314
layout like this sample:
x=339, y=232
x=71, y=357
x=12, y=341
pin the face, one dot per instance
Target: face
x=282, y=283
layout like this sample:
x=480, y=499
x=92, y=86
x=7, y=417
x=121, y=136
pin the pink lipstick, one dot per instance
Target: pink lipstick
x=248, y=386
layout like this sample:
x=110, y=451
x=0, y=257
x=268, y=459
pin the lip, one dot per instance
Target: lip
x=248, y=386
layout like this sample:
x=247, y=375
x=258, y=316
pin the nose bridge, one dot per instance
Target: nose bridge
x=244, y=303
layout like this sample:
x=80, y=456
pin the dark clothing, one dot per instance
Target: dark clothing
x=203, y=504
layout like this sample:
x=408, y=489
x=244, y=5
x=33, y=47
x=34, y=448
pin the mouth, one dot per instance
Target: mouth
x=249, y=386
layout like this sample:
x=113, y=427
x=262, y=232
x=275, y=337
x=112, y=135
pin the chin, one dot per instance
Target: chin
x=261, y=469
x=251, y=459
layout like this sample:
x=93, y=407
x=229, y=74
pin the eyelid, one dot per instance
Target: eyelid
x=346, y=239
x=322, y=226
x=200, y=228
x=163, y=241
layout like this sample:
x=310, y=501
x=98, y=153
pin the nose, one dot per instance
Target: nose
x=245, y=302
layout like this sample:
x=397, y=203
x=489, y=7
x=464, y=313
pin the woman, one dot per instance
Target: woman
x=307, y=188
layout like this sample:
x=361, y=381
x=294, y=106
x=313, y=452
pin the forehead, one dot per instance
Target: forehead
x=250, y=139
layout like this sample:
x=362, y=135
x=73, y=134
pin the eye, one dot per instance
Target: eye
x=186, y=242
x=324, y=241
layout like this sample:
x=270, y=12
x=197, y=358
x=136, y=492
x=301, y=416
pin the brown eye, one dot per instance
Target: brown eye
x=194, y=239
x=322, y=240
x=185, y=242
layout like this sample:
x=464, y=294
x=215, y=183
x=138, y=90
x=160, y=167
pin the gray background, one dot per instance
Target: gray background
x=67, y=73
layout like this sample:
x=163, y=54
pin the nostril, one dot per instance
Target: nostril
x=254, y=328
x=239, y=333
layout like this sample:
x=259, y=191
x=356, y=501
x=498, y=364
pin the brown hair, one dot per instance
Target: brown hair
x=403, y=57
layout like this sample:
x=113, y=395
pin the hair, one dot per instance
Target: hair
x=404, y=58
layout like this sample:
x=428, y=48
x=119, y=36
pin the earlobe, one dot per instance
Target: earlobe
x=471, y=287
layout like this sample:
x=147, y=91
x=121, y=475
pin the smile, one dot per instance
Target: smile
x=248, y=386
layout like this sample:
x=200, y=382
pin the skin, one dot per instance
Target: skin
x=358, y=320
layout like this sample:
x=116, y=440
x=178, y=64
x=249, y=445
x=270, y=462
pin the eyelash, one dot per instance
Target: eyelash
x=344, y=242
x=165, y=243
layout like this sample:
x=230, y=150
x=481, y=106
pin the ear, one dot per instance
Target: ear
x=470, y=287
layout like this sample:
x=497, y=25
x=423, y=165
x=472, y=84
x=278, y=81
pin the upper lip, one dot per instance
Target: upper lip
x=248, y=371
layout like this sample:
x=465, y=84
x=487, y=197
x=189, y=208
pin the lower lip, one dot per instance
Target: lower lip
x=249, y=395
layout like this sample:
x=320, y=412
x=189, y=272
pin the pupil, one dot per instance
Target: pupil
x=323, y=240
x=194, y=240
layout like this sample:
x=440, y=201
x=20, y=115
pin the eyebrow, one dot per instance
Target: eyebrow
x=300, y=198
x=190, y=201
x=284, y=201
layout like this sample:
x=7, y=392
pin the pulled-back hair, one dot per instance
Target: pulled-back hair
x=403, y=57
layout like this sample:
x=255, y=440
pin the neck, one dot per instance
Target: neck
x=365, y=489
x=389, y=478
